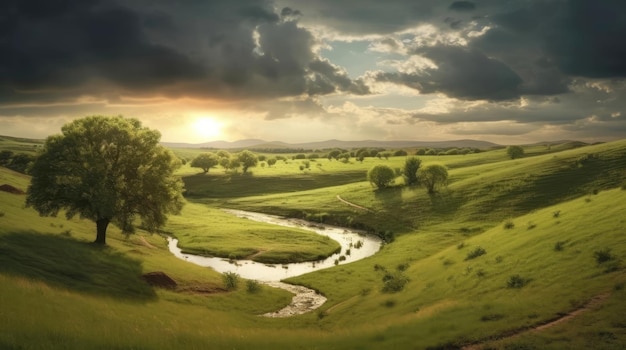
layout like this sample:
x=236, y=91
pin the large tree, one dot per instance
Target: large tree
x=515, y=151
x=247, y=159
x=433, y=176
x=205, y=161
x=108, y=170
x=409, y=171
x=381, y=176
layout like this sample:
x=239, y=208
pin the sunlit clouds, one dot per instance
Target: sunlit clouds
x=285, y=70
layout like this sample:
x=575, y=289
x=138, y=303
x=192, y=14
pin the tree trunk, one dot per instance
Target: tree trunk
x=101, y=225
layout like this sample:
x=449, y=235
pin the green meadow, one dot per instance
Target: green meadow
x=506, y=246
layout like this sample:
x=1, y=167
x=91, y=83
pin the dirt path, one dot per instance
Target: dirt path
x=304, y=300
x=353, y=205
x=591, y=304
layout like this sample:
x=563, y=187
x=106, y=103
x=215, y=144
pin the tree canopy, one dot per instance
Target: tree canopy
x=381, y=176
x=515, y=151
x=433, y=176
x=108, y=170
x=409, y=171
x=247, y=160
x=205, y=161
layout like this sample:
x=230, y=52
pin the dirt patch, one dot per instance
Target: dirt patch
x=160, y=279
x=11, y=189
x=143, y=242
x=201, y=288
x=353, y=205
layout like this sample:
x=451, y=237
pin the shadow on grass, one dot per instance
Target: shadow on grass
x=74, y=265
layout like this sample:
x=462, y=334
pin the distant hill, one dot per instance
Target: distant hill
x=261, y=144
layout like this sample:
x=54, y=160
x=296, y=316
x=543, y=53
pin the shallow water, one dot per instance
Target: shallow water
x=264, y=272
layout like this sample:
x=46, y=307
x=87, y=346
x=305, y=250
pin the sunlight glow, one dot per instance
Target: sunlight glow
x=207, y=127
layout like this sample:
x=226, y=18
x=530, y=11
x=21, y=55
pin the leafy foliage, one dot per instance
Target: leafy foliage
x=381, y=176
x=411, y=166
x=433, y=176
x=205, y=161
x=515, y=152
x=106, y=169
x=247, y=160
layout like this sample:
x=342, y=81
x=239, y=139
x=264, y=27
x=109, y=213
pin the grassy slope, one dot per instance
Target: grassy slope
x=228, y=236
x=444, y=301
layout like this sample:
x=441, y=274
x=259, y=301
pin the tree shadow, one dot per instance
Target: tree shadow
x=74, y=265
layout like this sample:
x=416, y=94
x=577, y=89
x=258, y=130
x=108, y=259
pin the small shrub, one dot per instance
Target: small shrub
x=603, y=255
x=67, y=233
x=480, y=273
x=365, y=291
x=321, y=314
x=499, y=259
x=478, y=251
x=252, y=286
x=393, y=283
x=336, y=262
x=358, y=244
x=389, y=303
x=516, y=281
x=2, y=214
x=403, y=267
x=556, y=214
x=587, y=200
x=531, y=225
x=460, y=245
x=378, y=267
x=348, y=252
x=448, y=262
x=559, y=246
x=230, y=280
x=342, y=258
x=509, y=225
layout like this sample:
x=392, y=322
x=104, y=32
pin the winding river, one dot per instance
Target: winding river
x=357, y=243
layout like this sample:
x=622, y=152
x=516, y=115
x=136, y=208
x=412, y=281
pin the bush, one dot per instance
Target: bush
x=559, y=246
x=509, y=225
x=393, y=283
x=2, y=214
x=603, y=255
x=231, y=280
x=253, y=286
x=516, y=281
x=478, y=251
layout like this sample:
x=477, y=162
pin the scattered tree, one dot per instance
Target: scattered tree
x=400, y=153
x=515, y=151
x=271, y=161
x=205, y=161
x=411, y=166
x=108, y=170
x=433, y=176
x=247, y=160
x=381, y=176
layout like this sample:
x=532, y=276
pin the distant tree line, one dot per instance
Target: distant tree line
x=19, y=162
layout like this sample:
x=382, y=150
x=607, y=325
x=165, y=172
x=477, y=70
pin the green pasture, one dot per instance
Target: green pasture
x=507, y=245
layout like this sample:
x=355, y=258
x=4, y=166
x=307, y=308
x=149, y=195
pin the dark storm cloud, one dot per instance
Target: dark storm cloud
x=461, y=73
x=462, y=6
x=199, y=49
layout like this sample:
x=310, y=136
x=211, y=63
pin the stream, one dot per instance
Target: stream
x=359, y=244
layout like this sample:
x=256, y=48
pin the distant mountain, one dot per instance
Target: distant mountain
x=261, y=144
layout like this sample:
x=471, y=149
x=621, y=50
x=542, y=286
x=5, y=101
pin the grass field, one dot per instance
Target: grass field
x=507, y=245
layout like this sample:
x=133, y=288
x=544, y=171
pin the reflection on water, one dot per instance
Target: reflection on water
x=359, y=244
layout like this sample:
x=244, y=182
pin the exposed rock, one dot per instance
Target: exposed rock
x=160, y=279
x=10, y=189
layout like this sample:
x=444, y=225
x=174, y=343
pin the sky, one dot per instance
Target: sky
x=505, y=71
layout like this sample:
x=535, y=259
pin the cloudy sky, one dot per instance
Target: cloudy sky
x=506, y=71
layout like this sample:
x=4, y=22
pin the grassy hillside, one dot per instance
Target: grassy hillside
x=509, y=244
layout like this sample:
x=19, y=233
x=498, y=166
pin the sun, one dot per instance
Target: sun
x=207, y=127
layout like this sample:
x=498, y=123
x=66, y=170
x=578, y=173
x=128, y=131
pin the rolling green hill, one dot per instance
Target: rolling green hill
x=507, y=246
